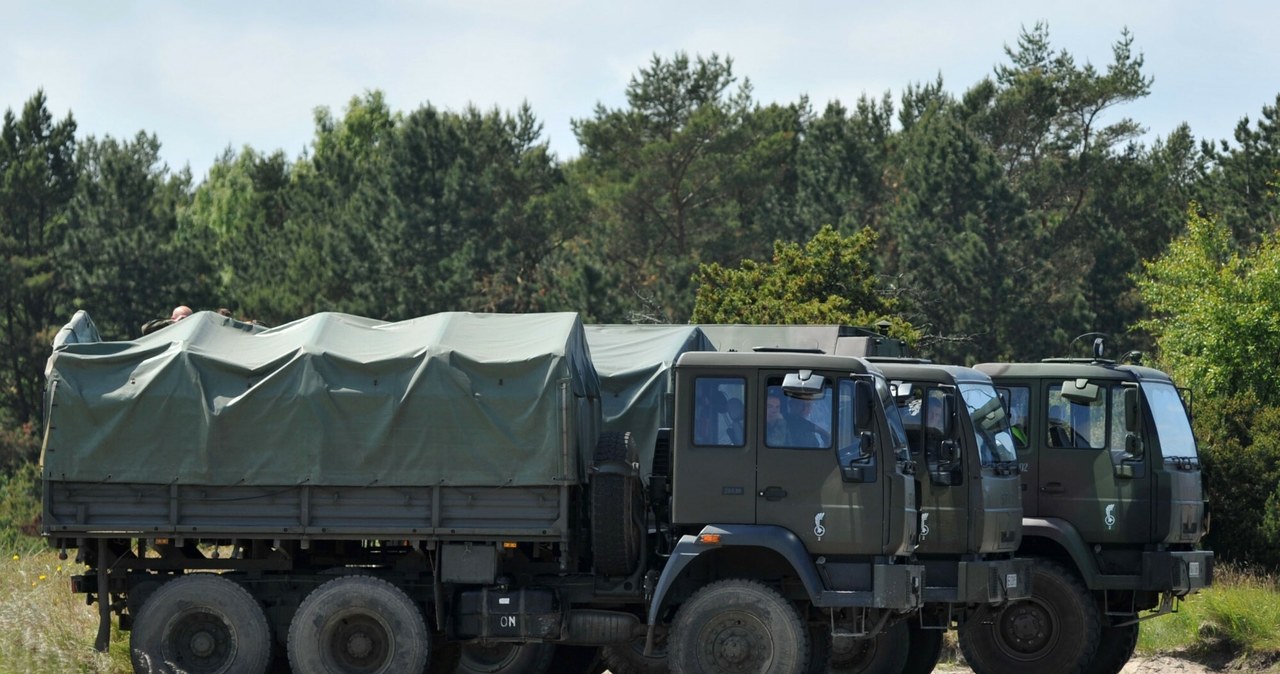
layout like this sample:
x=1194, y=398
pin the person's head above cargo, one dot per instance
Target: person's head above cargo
x=180, y=312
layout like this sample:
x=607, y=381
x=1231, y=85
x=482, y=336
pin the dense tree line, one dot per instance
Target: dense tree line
x=996, y=223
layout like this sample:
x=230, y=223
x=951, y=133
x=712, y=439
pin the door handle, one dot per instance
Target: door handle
x=774, y=493
x=1053, y=488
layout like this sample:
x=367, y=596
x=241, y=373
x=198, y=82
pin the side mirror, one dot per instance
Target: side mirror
x=864, y=396
x=1131, y=410
x=948, y=416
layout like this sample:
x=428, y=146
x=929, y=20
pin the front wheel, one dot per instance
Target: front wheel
x=885, y=653
x=202, y=624
x=734, y=627
x=1054, y=631
x=925, y=649
x=1115, y=647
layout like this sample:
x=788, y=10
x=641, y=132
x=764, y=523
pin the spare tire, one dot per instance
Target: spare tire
x=616, y=505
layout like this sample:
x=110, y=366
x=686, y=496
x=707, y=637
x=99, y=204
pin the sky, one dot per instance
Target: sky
x=205, y=76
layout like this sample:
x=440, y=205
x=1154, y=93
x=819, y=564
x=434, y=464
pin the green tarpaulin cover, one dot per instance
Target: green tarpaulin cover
x=450, y=399
x=634, y=363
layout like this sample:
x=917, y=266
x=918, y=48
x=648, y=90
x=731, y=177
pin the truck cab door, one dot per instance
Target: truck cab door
x=929, y=414
x=1085, y=475
x=799, y=483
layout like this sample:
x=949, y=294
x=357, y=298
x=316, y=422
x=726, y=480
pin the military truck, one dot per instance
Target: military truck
x=1113, y=513
x=371, y=495
x=971, y=509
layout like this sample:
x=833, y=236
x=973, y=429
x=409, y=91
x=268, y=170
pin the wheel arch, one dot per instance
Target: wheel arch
x=1056, y=539
x=778, y=548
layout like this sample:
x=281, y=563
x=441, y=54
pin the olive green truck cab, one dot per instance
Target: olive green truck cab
x=971, y=509
x=369, y=496
x=1113, y=513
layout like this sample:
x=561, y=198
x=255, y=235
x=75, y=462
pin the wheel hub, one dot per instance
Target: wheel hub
x=202, y=644
x=735, y=649
x=1027, y=627
x=359, y=645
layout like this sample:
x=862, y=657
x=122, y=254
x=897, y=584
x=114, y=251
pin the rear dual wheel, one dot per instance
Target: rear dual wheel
x=358, y=625
x=200, y=624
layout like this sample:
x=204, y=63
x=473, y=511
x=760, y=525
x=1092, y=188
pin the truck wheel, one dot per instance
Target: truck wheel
x=533, y=657
x=924, y=650
x=358, y=624
x=819, y=649
x=577, y=660
x=203, y=624
x=615, y=506
x=734, y=626
x=630, y=659
x=1054, y=631
x=1115, y=647
x=885, y=653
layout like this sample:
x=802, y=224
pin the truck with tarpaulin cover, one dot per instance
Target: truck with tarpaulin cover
x=361, y=495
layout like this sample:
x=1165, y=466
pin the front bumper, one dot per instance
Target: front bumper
x=991, y=581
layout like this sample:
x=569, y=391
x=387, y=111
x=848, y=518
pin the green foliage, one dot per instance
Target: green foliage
x=679, y=176
x=825, y=281
x=19, y=507
x=1215, y=313
x=37, y=180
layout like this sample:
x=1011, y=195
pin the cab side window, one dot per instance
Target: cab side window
x=718, y=413
x=1017, y=402
x=1075, y=424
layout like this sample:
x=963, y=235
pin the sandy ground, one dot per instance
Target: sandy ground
x=1158, y=664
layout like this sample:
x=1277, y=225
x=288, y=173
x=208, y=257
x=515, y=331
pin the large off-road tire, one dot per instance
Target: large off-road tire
x=358, y=625
x=1054, y=631
x=630, y=658
x=819, y=648
x=200, y=624
x=616, y=506
x=885, y=653
x=506, y=658
x=734, y=627
x=577, y=660
x=924, y=651
x=1115, y=647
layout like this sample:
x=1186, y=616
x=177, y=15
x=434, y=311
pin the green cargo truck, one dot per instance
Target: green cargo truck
x=1113, y=513
x=358, y=496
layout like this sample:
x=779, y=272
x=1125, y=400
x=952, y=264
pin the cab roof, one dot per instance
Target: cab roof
x=775, y=359
x=1067, y=368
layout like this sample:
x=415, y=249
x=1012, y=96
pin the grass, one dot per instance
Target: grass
x=43, y=626
x=1238, y=615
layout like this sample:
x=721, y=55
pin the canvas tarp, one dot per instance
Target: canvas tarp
x=634, y=363
x=448, y=399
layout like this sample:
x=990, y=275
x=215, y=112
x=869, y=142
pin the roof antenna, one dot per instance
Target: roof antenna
x=1099, y=338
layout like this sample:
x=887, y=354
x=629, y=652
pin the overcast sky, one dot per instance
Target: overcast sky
x=205, y=76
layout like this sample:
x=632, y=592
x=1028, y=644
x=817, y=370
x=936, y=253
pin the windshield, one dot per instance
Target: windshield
x=896, y=430
x=990, y=423
x=1171, y=420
